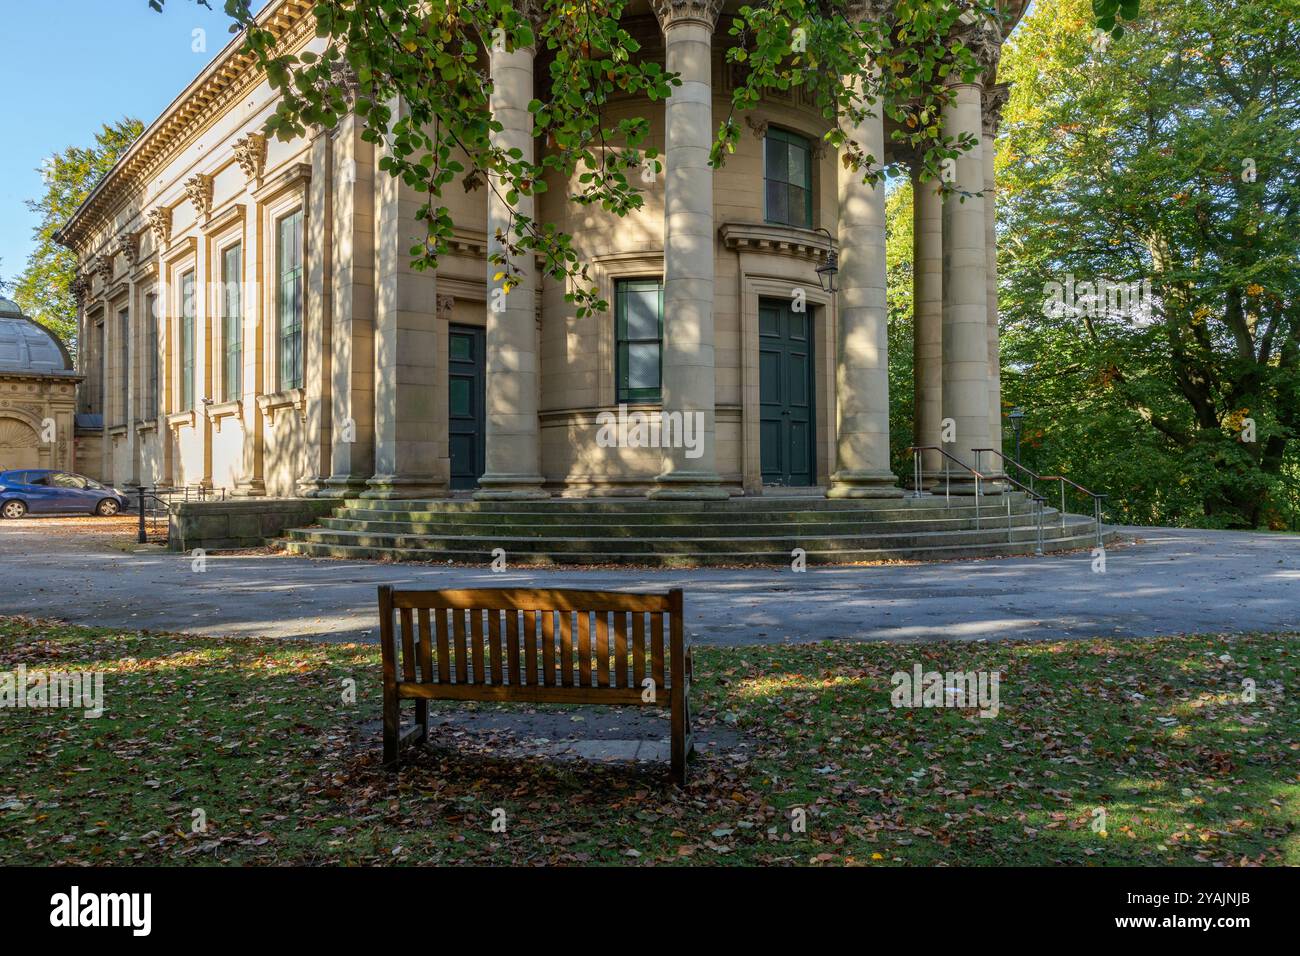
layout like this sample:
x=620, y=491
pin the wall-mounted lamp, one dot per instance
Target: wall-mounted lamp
x=830, y=266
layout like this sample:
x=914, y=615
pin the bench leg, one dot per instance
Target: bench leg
x=392, y=731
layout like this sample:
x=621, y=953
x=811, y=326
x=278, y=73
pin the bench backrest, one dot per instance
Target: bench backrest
x=522, y=644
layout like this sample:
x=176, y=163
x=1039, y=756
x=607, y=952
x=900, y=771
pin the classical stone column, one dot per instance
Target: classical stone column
x=319, y=315
x=407, y=408
x=965, y=289
x=688, y=355
x=995, y=97
x=128, y=248
x=352, y=361
x=862, y=334
x=927, y=320
x=512, y=434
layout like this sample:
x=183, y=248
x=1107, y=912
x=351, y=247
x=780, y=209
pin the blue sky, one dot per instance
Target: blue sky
x=67, y=67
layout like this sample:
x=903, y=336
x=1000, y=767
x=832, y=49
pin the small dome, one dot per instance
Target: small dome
x=26, y=346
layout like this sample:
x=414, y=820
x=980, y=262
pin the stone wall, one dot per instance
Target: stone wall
x=240, y=523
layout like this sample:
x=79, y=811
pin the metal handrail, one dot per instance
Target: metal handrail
x=1038, y=500
x=1097, y=497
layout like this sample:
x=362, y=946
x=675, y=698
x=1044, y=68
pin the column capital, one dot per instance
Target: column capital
x=995, y=98
x=672, y=12
x=858, y=11
x=983, y=37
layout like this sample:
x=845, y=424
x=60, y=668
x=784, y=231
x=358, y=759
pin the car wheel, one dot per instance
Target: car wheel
x=14, y=509
x=107, y=508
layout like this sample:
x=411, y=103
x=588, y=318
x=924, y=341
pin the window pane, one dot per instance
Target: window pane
x=777, y=208
x=798, y=172
x=641, y=308
x=777, y=158
x=797, y=206
x=643, y=365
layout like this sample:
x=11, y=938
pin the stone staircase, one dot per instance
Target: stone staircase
x=739, y=531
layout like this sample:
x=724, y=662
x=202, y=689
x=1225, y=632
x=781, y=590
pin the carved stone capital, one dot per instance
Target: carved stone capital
x=160, y=222
x=995, y=98
x=250, y=153
x=445, y=304
x=671, y=12
x=859, y=11
x=199, y=190
x=128, y=247
x=983, y=37
x=759, y=127
x=103, y=266
x=80, y=289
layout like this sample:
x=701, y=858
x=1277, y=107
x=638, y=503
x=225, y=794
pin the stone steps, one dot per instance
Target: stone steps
x=740, y=531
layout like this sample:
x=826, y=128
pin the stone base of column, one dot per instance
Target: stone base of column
x=511, y=488
x=864, y=484
x=390, y=486
x=256, y=488
x=688, y=486
x=342, y=488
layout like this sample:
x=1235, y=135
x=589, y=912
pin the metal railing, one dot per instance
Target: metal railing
x=918, y=489
x=154, y=505
x=1097, y=497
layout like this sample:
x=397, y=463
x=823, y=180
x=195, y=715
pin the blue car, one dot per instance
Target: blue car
x=42, y=491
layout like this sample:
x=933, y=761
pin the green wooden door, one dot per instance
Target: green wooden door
x=785, y=363
x=466, y=398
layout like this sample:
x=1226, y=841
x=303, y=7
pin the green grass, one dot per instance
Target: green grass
x=256, y=735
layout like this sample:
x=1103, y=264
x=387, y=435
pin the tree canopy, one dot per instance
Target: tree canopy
x=44, y=288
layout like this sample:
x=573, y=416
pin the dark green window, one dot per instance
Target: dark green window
x=232, y=323
x=639, y=324
x=187, y=341
x=787, y=179
x=149, y=402
x=289, y=299
x=124, y=361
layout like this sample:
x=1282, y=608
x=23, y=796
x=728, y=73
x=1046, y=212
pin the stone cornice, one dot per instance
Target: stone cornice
x=671, y=12
x=765, y=237
x=222, y=85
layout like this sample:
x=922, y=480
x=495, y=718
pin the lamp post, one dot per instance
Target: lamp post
x=1017, y=416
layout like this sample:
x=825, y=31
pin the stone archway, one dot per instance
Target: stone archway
x=19, y=445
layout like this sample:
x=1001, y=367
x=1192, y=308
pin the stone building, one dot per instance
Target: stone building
x=37, y=395
x=250, y=320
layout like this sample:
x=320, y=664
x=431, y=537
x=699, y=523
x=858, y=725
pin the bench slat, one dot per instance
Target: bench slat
x=620, y=649
x=584, y=649
x=478, y=650
x=444, y=647
x=657, y=650
x=566, y=648
x=426, y=646
x=548, y=649
x=638, y=649
x=494, y=640
x=462, y=648
x=602, y=650
x=558, y=599
x=530, y=648
x=541, y=695
x=512, y=648
x=408, y=645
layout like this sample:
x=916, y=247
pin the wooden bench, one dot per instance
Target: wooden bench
x=539, y=646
